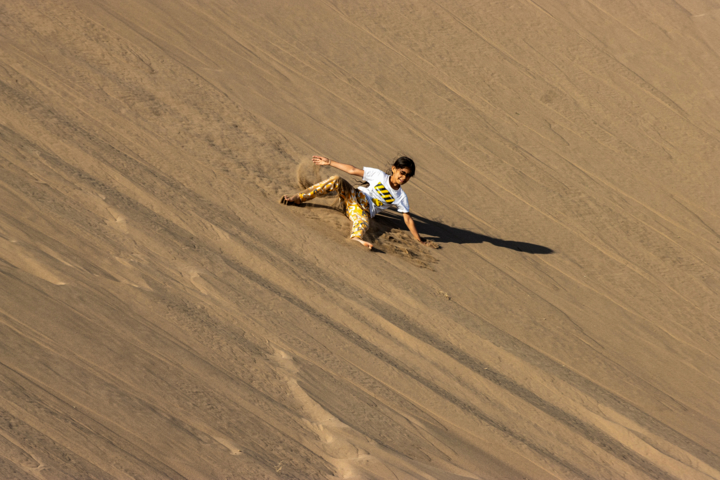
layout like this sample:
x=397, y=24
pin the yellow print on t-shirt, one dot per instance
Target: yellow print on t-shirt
x=380, y=188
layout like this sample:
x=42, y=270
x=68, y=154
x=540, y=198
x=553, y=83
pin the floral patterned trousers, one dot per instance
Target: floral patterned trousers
x=354, y=202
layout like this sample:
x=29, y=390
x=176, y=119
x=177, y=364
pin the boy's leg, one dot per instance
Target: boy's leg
x=326, y=187
x=359, y=216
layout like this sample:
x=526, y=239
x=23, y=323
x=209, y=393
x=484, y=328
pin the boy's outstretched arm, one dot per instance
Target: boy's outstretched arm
x=318, y=160
x=411, y=226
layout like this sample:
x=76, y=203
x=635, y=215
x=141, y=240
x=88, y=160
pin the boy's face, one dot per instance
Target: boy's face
x=400, y=176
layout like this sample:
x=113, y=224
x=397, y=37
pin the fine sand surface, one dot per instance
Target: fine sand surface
x=163, y=316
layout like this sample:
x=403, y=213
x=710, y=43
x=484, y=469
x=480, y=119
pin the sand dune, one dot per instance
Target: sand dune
x=162, y=316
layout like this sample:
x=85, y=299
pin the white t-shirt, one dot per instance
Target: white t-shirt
x=380, y=194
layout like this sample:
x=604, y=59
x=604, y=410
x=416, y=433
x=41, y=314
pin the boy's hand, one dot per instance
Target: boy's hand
x=318, y=160
x=429, y=243
x=324, y=161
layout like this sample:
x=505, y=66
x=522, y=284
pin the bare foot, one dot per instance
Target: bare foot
x=294, y=200
x=363, y=243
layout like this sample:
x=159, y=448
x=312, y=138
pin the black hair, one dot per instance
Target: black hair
x=404, y=162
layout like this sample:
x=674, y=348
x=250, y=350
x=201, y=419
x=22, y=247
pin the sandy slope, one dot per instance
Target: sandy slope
x=161, y=316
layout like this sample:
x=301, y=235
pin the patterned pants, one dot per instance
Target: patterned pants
x=354, y=202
